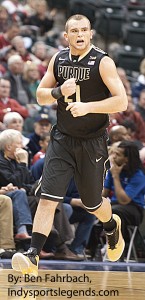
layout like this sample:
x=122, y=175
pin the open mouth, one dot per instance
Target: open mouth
x=80, y=42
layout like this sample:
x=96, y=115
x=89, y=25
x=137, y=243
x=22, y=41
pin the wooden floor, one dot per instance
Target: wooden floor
x=73, y=284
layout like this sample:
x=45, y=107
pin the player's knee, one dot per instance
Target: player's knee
x=94, y=208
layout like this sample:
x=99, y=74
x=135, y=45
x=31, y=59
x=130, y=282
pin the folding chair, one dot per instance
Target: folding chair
x=132, y=230
x=136, y=241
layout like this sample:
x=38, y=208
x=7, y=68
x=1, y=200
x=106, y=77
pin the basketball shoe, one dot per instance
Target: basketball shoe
x=115, y=241
x=26, y=263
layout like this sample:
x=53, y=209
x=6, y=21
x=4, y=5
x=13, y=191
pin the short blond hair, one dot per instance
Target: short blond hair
x=76, y=18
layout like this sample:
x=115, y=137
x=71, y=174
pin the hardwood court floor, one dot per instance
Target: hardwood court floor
x=73, y=284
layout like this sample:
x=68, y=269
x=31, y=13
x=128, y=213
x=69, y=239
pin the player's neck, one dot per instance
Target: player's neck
x=78, y=56
x=77, y=52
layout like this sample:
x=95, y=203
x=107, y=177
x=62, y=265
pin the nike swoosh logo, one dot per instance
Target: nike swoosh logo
x=97, y=160
x=61, y=58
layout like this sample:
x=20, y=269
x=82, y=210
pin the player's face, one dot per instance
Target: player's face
x=78, y=36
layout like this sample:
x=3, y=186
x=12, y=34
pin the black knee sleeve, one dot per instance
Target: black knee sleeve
x=92, y=209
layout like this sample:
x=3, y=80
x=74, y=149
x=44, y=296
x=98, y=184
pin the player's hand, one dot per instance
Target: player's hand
x=78, y=109
x=68, y=88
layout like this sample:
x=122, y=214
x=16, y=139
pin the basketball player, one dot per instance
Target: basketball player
x=81, y=78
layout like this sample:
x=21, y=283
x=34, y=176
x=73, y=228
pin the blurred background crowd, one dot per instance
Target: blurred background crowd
x=31, y=32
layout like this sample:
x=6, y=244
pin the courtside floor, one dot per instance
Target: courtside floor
x=75, y=280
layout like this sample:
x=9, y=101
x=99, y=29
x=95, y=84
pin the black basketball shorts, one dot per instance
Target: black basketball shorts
x=85, y=159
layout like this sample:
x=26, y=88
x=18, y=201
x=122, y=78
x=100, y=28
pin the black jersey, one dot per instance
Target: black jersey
x=90, y=87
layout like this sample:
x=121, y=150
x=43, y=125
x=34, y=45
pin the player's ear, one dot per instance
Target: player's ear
x=65, y=36
x=92, y=33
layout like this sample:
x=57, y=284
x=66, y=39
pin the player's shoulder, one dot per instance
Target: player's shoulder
x=98, y=50
x=63, y=53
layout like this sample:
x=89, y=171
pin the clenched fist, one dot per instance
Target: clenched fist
x=68, y=88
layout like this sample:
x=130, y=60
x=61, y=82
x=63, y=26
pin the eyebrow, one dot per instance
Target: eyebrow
x=75, y=28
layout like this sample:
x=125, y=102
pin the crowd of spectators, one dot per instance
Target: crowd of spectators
x=31, y=32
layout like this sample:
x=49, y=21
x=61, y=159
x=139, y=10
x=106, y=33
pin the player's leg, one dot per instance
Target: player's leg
x=112, y=227
x=27, y=263
x=94, y=157
x=57, y=173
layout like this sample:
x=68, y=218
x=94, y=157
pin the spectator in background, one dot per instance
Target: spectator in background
x=14, y=165
x=32, y=76
x=43, y=53
x=21, y=211
x=7, y=245
x=6, y=38
x=125, y=81
x=139, y=84
x=2, y=126
x=42, y=125
x=4, y=19
x=14, y=161
x=113, y=49
x=19, y=45
x=12, y=6
x=41, y=18
x=8, y=104
x=15, y=179
x=130, y=126
x=43, y=142
x=131, y=129
x=140, y=107
x=29, y=7
x=51, y=111
x=60, y=5
x=37, y=168
x=2, y=70
x=19, y=86
x=61, y=41
x=126, y=131
x=13, y=120
x=125, y=184
x=39, y=49
x=135, y=116
x=118, y=133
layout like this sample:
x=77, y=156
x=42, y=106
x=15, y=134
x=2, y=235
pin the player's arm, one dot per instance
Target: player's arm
x=47, y=92
x=118, y=101
x=46, y=85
